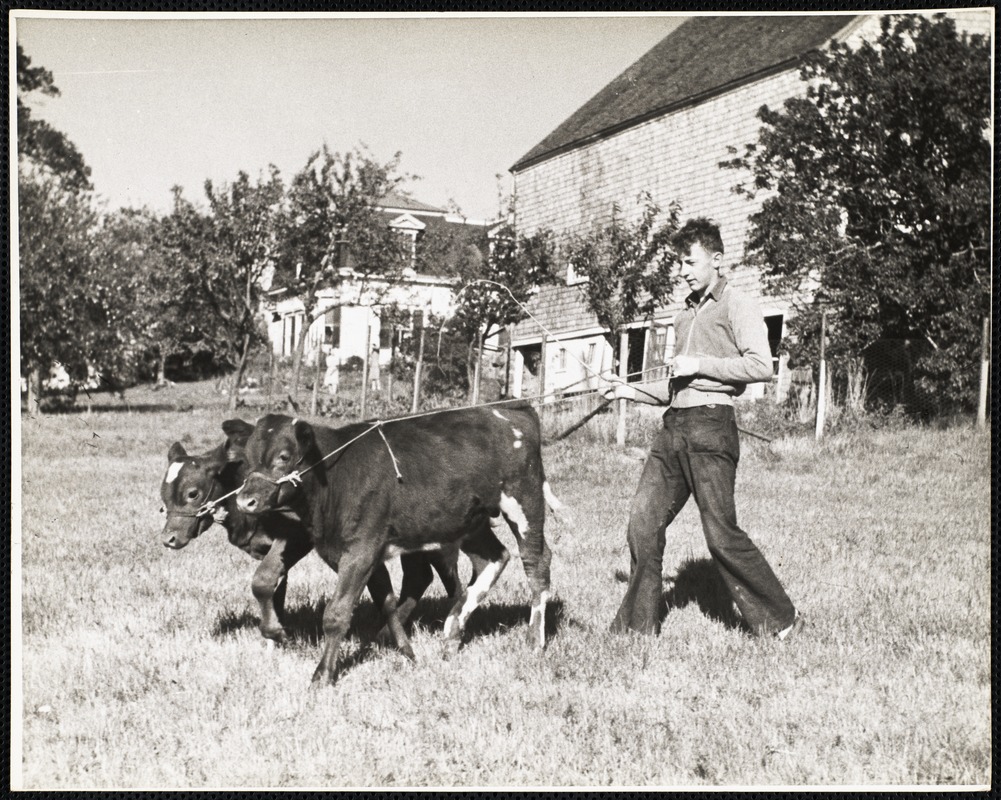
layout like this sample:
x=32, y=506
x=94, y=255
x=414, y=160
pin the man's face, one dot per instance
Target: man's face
x=700, y=267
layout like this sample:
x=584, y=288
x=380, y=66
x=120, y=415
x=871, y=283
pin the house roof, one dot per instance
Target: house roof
x=400, y=202
x=704, y=56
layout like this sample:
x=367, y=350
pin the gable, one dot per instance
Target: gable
x=703, y=57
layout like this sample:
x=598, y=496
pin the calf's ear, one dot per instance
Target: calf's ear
x=176, y=452
x=304, y=436
x=237, y=432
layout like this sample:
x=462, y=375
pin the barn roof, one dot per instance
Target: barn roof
x=704, y=56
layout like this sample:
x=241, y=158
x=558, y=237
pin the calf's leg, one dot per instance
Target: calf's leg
x=381, y=589
x=489, y=557
x=269, y=583
x=337, y=616
x=525, y=513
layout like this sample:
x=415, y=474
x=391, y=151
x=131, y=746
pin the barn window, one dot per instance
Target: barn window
x=592, y=349
x=561, y=360
x=573, y=279
x=774, y=325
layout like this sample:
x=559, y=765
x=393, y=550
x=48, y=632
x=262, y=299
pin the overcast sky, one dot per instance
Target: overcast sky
x=155, y=102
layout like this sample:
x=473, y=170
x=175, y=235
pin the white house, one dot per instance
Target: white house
x=352, y=320
x=663, y=126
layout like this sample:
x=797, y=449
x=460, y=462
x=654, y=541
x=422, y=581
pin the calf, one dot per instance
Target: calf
x=369, y=491
x=278, y=540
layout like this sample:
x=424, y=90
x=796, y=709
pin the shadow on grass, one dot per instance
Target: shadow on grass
x=698, y=581
x=116, y=408
x=304, y=623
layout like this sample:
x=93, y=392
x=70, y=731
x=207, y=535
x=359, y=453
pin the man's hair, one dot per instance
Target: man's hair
x=699, y=230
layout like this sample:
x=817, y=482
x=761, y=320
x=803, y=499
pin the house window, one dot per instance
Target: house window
x=386, y=329
x=332, y=327
x=561, y=360
x=774, y=325
x=592, y=350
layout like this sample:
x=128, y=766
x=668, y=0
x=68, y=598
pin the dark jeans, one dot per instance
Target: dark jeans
x=696, y=454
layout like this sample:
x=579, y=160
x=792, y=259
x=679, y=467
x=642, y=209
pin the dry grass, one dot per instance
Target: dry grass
x=142, y=667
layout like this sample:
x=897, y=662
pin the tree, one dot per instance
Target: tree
x=58, y=318
x=124, y=264
x=497, y=287
x=333, y=232
x=56, y=315
x=877, y=200
x=39, y=143
x=246, y=224
x=628, y=267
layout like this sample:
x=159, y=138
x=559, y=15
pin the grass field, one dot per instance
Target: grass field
x=142, y=667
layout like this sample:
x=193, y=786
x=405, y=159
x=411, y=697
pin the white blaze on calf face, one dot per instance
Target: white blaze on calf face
x=517, y=437
x=173, y=471
x=499, y=415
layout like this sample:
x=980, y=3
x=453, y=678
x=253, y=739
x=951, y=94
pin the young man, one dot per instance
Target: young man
x=721, y=345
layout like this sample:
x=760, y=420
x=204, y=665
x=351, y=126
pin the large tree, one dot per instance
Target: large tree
x=627, y=266
x=877, y=200
x=334, y=230
x=498, y=278
x=246, y=224
x=59, y=320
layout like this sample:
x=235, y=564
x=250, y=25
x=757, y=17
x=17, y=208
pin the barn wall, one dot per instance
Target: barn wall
x=675, y=158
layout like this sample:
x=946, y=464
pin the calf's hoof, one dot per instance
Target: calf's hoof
x=449, y=648
x=322, y=678
x=277, y=634
x=384, y=638
x=408, y=651
x=536, y=638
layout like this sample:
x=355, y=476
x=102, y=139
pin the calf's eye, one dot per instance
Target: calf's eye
x=192, y=494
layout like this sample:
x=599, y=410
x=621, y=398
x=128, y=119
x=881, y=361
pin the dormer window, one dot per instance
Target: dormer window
x=408, y=225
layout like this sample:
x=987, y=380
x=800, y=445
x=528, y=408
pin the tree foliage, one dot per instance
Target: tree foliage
x=496, y=287
x=877, y=199
x=61, y=321
x=38, y=143
x=628, y=268
x=333, y=230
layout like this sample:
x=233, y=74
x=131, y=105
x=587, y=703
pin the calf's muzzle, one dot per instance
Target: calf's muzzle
x=259, y=494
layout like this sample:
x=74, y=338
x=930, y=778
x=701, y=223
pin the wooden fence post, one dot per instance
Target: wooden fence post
x=271, y=377
x=418, y=367
x=392, y=359
x=620, y=428
x=364, y=367
x=477, y=368
x=822, y=379
x=316, y=381
x=544, y=345
x=985, y=364
x=507, y=366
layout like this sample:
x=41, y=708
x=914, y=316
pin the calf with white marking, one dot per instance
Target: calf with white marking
x=463, y=475
x=193, y=484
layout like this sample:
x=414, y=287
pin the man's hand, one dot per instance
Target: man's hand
x=618, y=390
x=685, y=366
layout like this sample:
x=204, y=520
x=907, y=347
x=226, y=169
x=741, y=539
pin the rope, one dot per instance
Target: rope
x=295, y=477
x=548, y=332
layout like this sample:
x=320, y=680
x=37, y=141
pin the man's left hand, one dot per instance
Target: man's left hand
x=685, y=366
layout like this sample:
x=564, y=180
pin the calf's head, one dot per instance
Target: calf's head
x=193, y=481
x=278, y=446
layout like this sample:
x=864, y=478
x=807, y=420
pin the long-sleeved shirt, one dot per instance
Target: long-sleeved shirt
x=726, y=331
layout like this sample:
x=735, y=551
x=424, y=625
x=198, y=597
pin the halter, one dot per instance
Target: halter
x=208, y=508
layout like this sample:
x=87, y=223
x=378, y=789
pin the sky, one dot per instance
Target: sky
x=154, y=102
